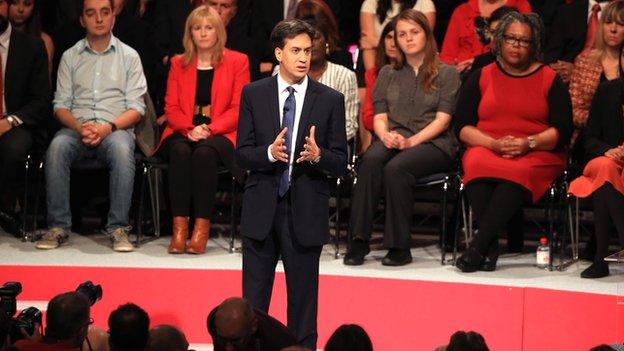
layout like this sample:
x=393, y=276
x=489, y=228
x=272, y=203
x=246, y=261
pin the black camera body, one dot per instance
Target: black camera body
x=27, y=319
x=8, y=297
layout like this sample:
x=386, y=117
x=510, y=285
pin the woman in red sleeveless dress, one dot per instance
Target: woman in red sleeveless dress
x=515, y=117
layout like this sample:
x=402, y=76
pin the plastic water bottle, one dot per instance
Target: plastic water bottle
x=543, y=254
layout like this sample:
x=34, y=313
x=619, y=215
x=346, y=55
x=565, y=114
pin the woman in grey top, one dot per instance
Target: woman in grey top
x=413, y=101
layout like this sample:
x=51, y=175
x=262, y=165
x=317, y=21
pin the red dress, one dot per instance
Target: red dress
x=461, y=41
x=517, y=106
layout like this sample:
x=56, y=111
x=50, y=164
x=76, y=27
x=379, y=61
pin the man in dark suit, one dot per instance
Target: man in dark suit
x=25, y=101
x=285, y=205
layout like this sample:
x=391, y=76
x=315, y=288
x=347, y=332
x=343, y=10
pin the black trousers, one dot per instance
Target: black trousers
x=193, y=176
x=14, y=146
x=495, y=203
x=301, y=266
x=396, y=170
x=608, y=206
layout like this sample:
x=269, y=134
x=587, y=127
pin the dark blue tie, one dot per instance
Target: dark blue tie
x=288, y=121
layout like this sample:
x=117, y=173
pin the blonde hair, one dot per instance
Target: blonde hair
x=213, y=18
x=613, y=12
x=431, y=62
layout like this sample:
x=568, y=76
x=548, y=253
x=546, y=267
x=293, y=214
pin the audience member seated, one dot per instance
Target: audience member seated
x=602, y=176
x=25, y=16
x=600, y=64
x=413, y=102
x=67, y=324
x=350, y=337
x=514, y=150
x=570, y=35
x=128, y=327
x=321, y=13
x=166, y=338
x=265, y=15
x=466, y=341
x=333, y=75
x=203, y=95
x=466, y=36
x=375, y=14
x=237, y=28
x=386, y=55
x=24, y=100
x=99, y=98
x=234, y=324
x=486, y=58
x=170, y=17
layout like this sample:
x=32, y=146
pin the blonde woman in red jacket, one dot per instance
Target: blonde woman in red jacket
x=201, y=105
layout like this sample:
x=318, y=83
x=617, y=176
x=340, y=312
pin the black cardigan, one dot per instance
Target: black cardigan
x=605, y=124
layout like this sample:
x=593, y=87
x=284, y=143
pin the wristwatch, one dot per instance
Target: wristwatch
x=113, y=126
x=12, y=121
x=532, y=142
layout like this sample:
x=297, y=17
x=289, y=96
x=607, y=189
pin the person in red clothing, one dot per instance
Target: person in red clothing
x=515, y=149
x=201, y=105
x=386, y=54
x=466, y=34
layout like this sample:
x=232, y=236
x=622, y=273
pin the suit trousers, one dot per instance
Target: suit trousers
x=301, y=267
x=396, y=171
x=14, y=146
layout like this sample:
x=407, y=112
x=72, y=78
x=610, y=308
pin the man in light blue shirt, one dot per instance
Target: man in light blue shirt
x=98, y=100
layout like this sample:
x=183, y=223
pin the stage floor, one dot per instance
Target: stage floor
x=415, y=307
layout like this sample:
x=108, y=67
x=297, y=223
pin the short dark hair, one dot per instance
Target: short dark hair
x=128, y=327
x=499, y=13
x=166, y=338
x=289, y=29
x=349, y=337
x=80, y=6
x=467, y=341
x=66, y=314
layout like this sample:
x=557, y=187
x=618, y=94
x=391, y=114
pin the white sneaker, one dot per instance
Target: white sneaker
x=120, y=240
x=52, y=239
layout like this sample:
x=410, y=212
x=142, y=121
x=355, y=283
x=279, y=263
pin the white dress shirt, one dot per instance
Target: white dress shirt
x=300, y=91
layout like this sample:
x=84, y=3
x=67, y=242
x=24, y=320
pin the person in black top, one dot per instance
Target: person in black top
x=236, y=324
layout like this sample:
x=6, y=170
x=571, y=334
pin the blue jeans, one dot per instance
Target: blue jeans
x=116, y=152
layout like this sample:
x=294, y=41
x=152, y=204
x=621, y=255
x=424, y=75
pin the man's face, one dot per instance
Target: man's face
x=294, y=58
x=97, y=17
x=225, y=8
x=4, y=14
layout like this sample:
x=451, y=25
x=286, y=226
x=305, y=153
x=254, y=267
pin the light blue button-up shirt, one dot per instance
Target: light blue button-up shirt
x=100, y=86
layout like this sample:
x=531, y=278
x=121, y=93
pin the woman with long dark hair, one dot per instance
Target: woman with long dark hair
x=25, y=15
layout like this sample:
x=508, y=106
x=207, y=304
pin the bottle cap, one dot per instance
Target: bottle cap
x=544, y=241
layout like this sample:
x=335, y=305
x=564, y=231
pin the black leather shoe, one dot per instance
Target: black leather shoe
x=10, y=224
x=470, y=261
x=596, y=270
x=397, y=257
x=489, y=264
x=358, y=250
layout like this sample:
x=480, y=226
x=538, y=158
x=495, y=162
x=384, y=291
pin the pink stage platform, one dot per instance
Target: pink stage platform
x=416, y=307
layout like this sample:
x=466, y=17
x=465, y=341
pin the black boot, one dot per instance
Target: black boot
x=397, y=257
x=470, y=261
x=599, y=269
x=358, y=250
x=10, y=224
x=489, y=264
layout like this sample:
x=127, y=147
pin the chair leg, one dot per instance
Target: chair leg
x=25, y=202
x=445, y=188
x=337, y=230
x=551, y=227
x=233, y=207
x=139, y=221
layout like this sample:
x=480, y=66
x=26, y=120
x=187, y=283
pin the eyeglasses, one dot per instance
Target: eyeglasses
x=513, y=41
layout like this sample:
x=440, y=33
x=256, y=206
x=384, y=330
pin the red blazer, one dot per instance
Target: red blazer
x=461, y=42
x=229, y=78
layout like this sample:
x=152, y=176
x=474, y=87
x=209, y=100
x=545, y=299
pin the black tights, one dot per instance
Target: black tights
x=608, y=205
x=193, y=176
x=494, y=202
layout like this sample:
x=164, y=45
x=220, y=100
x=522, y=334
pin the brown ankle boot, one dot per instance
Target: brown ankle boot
x=199, y=239
x=179, y=235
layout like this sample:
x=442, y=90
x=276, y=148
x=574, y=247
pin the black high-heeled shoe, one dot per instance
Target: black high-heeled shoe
x=470, y=261
x=489, y=264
